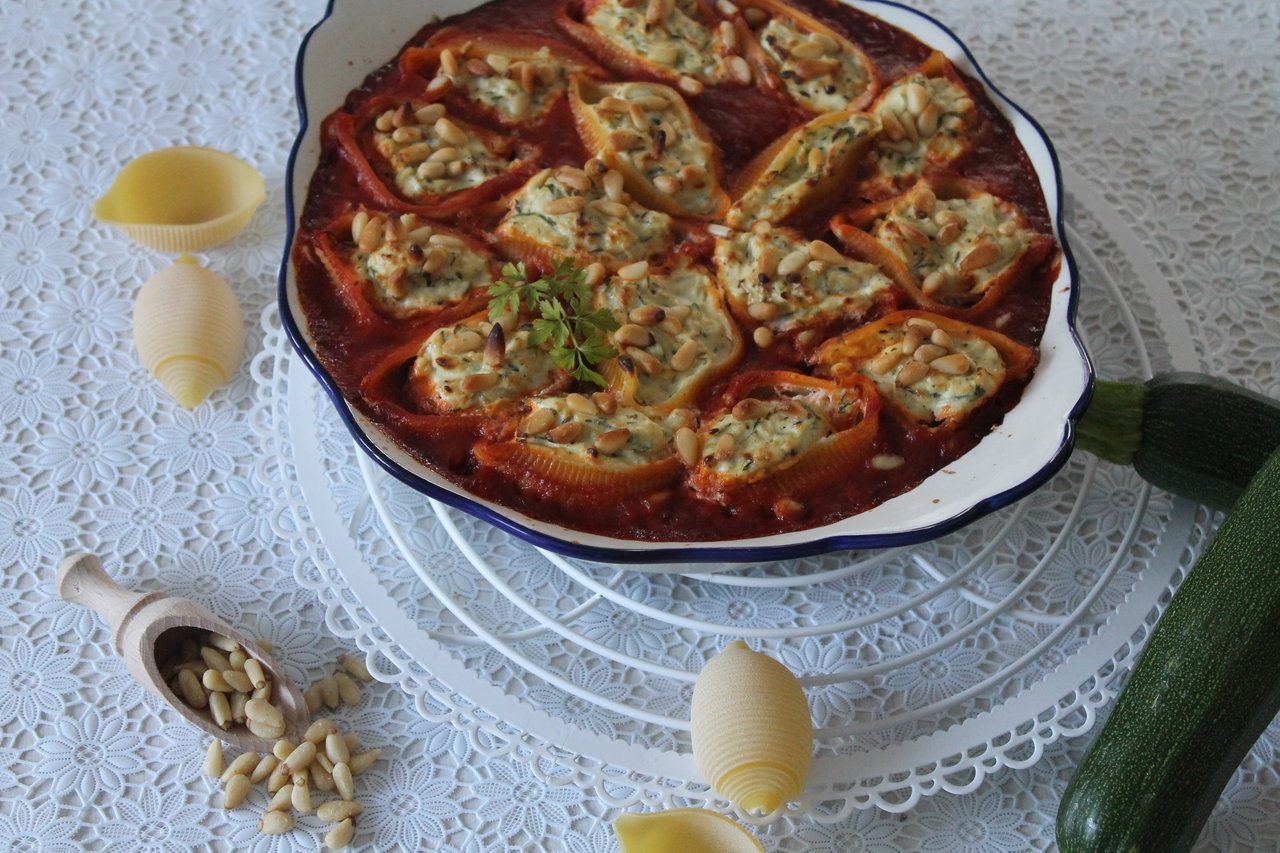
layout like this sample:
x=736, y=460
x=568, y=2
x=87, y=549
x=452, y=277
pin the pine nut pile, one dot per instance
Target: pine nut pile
x=325, y=760
x=220, y=677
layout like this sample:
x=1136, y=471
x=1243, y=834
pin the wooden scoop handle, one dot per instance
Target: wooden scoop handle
x=82, y=580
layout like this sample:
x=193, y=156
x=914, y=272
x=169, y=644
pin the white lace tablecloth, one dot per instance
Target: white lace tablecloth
x=1168, y=109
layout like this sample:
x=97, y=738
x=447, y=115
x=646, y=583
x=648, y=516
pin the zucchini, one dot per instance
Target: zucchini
x=1194, y=435
x=1203, y=690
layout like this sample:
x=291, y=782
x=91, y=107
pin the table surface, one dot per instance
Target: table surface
x=1170, y=112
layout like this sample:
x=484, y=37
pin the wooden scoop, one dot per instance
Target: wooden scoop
x=149, y=630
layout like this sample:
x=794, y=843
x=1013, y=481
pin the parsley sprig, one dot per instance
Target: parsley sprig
x=562, y=302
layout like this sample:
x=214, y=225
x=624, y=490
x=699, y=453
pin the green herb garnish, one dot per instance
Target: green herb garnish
x=562, y=302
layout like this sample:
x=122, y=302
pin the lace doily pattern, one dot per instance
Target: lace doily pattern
x=207, y=503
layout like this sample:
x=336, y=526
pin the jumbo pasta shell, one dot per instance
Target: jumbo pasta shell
x=752, y=732
x=189, y=330
x=182, y=199
x=682, y=829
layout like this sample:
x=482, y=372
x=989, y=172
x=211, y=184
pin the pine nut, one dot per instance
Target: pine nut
x=892, y=125
x=405, y=135
x=926, y=327
x=282, y=749
x=360, y=761
x=213, y=759
x=282, y=799
x=807, y=50
x=264, y=730
x=573, y=178
x=370, y=239
x=214, y=659
x=449, y=63
x=322, y=761
x=750, y=409
x=686, y=441
x=238, y=701
x=634, y=272
x=429, y=114
x=539, y=421
x=336, y=748
x=928, y=121
x=825, y=252
x=724, y=7
x=261, y=711
x=442, y=155
x=472, y=384
x=613, y=183
x=336, y=810
x=498, y=62
x=595, y=271
x=238, y=787
x=581, y=404
x=385, y=122
x=238, y=659
x=237, y=680
x=266, y=766
x=885, y=362
x=321, y=778
x=301, y=798
x=911, y=373
x=763, y=336
x=942, y=339
x=924, y=203
x=982, y=255
x=218, y=641
x=463, y=342
x=928, y=353
x=612, y=441
x=520, y=103
x=275, y=823
x=947, y=234
x=648, y=362
x=565, y=433
x=793, y=261
x=933, y=282
x=816, y=158
x=192, y=692
x=319, y=730
x=648, y=315
x=910, y=341
x=342, y=781
x=947, y=216
x=300, y=758
x=724, y=446
x=956, y=364
x=568, y=204
x=683, y=358
x=886, y=462
x=340, y=836
x=917, y=97
x=278, y=778
x=243, y=765
x=348, y=690
x=631, y=334
x=605, y=402
x=313, y=699
x=739, y=70
x=689, y=85
x=668, y=184
x=912, y=233
x=220, y=709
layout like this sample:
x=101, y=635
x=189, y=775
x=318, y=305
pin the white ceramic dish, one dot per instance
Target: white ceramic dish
x=356, y=37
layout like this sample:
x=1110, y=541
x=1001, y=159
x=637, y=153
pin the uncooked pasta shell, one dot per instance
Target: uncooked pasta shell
x=752, y=732
x=189, y=330
x=682, y=829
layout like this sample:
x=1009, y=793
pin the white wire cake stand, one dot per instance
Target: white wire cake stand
x=927, y=668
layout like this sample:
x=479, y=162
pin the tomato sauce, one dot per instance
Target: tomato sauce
x=742, y=122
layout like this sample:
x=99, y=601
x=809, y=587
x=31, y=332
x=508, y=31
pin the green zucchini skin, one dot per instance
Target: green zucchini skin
x=1204, y=689
x=1194, y=435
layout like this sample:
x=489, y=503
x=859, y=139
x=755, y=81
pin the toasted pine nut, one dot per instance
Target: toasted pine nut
x=348, y=690
x=605, y=402
x=724, y=446
x=471, y=384
x=683, y=358
x=912, y=339
x=928, y=352
x=282, y=749
x=825, y=252
x=763, y=336
x=885, y=362
x=594, y=273
x=300, y=758
x=213, y=759
x=763, y=311
x=956, y=364
x=238, y=787
x=581, y=404
x=282, y=799
x=361, y=760
x=933, y=282
x=276, y=822
x=648, y=315
x=942, y=339
x=257, y=676
x=917, y=97
x=982, y=255
x=807, y=50
x=794, y=261
x=340, y=836
x=539, y=421
x=634, y=272
x=948, y=233
x=565, y=433
x=220, y=709
x=266, y=765
x=573, y=178
x=749, y=409
x=689, y=85
x=192, y=692
x=336, y=748
x=429, y=114
x=668, y=184
x=336, y=810
x=342, y=781
x=926, y=327
x=687, y=446
x=612, y=441
x=911, y=373
x=647, y=361
x=214, y=659
x=631, y=334
x=892, y=125
x=568, y=204
x=927, y=124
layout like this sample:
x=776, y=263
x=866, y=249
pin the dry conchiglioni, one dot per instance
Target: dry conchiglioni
x=182, y=199
x=189, y=330
x=682, y=829
x=752, y=731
